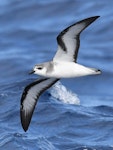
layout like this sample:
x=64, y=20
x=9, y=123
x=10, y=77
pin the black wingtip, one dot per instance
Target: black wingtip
x=24, y=126
x=25, y=129
x=88, y=21
x=95, y=17
x=91, y=19
x=25, y=121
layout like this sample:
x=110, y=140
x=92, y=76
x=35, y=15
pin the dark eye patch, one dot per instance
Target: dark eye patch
x=39, y=68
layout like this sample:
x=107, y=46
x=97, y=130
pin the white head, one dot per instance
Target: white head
x=39, y=69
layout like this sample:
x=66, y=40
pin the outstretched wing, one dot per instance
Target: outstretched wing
x=68, y=40
x=30, y=97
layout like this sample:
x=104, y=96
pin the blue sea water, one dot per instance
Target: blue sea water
x=75, y=114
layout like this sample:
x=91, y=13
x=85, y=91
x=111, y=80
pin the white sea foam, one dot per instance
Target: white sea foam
x=60, y=92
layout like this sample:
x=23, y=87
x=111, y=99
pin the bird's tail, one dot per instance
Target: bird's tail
x=96, y=71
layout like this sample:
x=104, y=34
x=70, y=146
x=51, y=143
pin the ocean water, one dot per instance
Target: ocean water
x=75, y=114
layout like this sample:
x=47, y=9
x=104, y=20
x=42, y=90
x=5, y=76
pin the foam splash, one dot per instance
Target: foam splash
x=60, y=92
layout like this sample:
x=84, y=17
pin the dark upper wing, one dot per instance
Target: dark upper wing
x=30, y=97
x=68, y=40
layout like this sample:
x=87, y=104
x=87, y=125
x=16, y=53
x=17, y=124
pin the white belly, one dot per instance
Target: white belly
x=70, y=70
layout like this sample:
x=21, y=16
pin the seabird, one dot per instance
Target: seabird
x=63, y=65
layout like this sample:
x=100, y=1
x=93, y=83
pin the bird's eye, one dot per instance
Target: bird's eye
x=39, y=68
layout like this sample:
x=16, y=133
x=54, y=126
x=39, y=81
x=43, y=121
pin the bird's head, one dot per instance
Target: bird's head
x=39, y=69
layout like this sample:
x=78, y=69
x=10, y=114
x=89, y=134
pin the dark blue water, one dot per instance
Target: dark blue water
x=76, y=114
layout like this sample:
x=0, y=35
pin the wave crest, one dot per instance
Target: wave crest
x=61, y=93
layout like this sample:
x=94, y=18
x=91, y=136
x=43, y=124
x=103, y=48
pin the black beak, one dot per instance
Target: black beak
x=31, y=72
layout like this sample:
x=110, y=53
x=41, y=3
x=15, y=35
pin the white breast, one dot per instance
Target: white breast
x=70, y=70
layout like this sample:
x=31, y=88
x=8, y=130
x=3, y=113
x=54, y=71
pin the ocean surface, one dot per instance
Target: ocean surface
x=75, y=114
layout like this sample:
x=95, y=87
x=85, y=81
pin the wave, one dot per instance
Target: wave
x=61, y=93
x=104, y=110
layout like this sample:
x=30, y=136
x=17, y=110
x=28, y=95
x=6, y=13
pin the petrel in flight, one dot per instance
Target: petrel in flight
x=63, y=65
